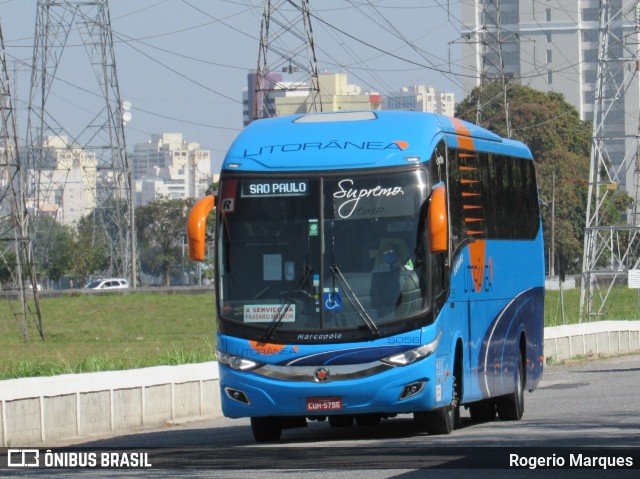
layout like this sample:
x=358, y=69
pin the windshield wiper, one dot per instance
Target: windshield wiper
x=353, y=299
x=293, y=295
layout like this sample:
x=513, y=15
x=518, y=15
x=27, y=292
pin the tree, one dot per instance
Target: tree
x=107, y=220
x=91, y=249
x=161, y=227
x=53, y=247
x=212, y=189
x=560, y=143
x=7, y=265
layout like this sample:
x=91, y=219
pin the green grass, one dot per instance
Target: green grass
x=113, y=331
x=108, y=332
x=623, y=305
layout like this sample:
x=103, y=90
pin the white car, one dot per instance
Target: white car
x=108, y=283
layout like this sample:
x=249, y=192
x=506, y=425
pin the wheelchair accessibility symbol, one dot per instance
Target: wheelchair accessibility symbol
x=332, y=301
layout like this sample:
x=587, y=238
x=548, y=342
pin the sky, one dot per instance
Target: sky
x=182, y=64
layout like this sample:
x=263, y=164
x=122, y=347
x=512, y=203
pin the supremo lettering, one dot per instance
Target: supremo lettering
x=354, y=195
x=318, y=145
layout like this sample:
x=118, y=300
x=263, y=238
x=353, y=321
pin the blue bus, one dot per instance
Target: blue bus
x=371, y=264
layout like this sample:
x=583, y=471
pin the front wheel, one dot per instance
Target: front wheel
x=266, y=429
x=439, y=421
x=442, y=420
x=511, y=406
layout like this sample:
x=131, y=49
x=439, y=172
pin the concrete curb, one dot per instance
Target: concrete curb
x=47, y=409
x=606, y=338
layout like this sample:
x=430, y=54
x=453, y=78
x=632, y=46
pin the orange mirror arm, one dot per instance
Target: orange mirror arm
x=197, y=225
x=438, y=220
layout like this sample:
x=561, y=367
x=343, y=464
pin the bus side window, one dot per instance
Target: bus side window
x=438, y=160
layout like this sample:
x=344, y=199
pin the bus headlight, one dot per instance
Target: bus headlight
x=237, y=362
x=414, y=355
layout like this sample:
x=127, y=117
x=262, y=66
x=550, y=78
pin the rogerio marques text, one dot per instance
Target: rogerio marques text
x=569, y=460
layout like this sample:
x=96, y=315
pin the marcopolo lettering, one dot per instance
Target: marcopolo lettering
x=319, y=337
x=275, y=188
x=318, y=145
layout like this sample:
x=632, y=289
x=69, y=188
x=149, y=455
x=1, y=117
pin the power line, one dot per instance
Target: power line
x=612, y=247
x=286, y=46
x=15, y=241
x=94, y=161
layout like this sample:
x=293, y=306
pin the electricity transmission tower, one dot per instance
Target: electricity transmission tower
x=286, y=47
x=15, y=244
x=611, y=244
x=491, y=39
x=75, y=136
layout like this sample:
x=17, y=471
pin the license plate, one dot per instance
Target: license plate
x=324, y=404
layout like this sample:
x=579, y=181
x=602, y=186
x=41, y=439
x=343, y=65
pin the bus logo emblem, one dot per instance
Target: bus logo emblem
x=321, y=375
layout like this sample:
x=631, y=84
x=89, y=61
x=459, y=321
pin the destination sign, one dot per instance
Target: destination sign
x=255, y=188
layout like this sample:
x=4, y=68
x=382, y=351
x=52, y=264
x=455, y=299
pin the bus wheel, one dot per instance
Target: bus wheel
x=511, y=406
x=482, y=411
x=266, y=429
x=341, y=420
x=440, y=421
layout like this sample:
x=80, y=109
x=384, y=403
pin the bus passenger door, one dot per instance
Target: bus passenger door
x=457, y=315
x=468, y=311
x=483, y=346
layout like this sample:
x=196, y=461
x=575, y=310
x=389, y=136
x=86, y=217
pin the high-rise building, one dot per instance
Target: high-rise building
x=421, y=98
x=66, y=189
x=552, y=45
x=169, y=167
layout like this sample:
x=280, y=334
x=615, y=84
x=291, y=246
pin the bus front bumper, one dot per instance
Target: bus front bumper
x=391, y=390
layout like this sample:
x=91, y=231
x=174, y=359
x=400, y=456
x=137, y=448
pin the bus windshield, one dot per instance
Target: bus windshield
x=314, y=254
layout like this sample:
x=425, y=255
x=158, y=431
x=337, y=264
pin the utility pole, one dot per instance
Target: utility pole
x=15, y=242
x=286, y=58
x=75, y=132
x=552, y=257
x=635, y=209
x=612, y=245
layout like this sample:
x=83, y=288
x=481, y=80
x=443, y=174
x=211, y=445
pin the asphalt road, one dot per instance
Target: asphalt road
x=590, y=408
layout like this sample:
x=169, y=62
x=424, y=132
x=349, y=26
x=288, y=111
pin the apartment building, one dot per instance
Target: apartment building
x=421, y=98
x=167, y=166
x=552, y=45
x=288, y=98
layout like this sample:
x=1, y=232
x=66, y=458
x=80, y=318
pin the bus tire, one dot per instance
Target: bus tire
x=442, y=420
x=266, y=429
x=511, y=406
x=437, y=422
x=482, y=411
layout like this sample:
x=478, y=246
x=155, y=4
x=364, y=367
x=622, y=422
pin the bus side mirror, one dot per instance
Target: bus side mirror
x=196, y=227
x=438, y=221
